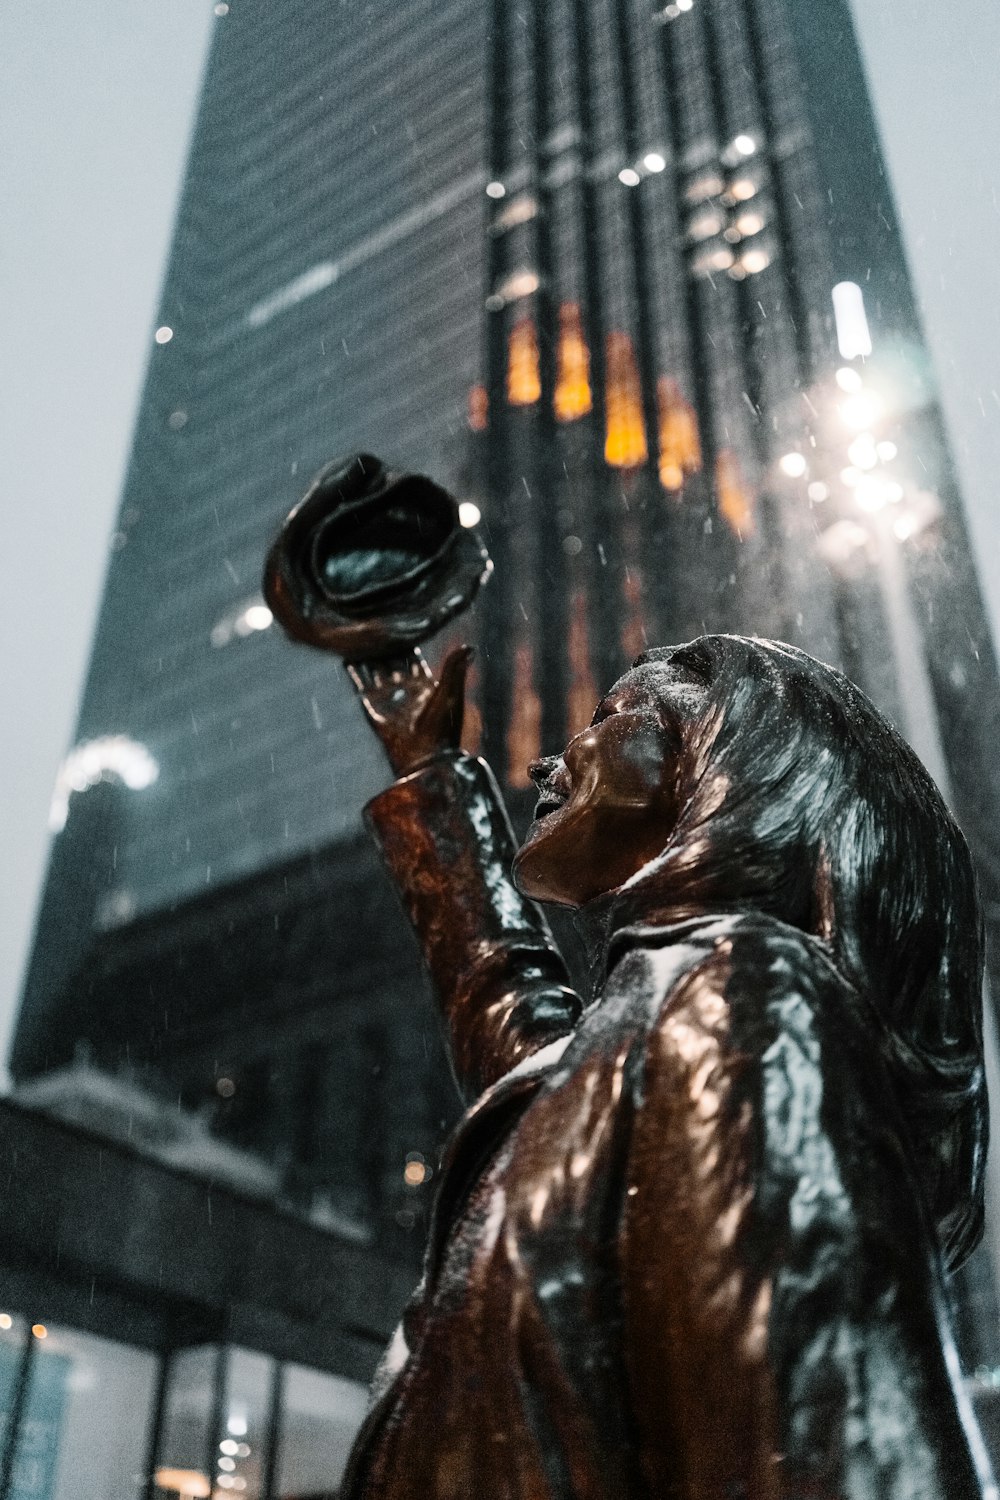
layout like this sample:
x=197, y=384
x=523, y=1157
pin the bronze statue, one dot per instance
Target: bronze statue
x=690, y=1235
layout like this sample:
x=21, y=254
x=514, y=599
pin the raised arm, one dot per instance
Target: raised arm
x=444, y=834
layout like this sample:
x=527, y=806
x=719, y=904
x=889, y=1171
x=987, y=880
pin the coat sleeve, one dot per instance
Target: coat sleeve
x=502, y=985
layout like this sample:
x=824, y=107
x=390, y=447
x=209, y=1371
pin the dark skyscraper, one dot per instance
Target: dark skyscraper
x=323, y=294
x=577, y=259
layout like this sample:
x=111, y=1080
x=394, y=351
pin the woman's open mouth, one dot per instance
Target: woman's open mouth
x=552, y=783
x=549, y=802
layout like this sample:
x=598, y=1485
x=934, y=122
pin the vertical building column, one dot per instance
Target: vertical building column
x=15, y=1416
x=275, y=1420
x=217, y=1413
x=496, y=607
x=155, y=1431
x=550, y=643
x=716, y=501
x=604, y=574
x=651, y=526
x=634, y=143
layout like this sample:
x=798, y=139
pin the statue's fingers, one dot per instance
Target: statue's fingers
x=360, y=674
x=454, y=669
x=451, y=688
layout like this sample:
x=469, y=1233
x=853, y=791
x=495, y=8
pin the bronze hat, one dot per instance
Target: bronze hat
x=371, y=562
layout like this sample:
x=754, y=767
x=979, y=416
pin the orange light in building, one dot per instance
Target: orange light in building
x=524, y=384
x=582, y=685
x=625, y=442
x=572, y=366
x=472, y=719
x=524, y=733
x=39, y=1330
x=479, y=408
x=191, y=1484
x=680, y=446
x=735, y=500
x=634, y=639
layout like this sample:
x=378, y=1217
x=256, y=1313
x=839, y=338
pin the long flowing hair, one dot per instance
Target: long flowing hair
x=799, y=799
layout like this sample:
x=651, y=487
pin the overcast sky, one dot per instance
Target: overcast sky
x=96, y=108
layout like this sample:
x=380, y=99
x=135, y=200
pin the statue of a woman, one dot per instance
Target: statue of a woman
x=690, y=1235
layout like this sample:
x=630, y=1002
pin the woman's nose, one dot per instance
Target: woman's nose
x=543, y=769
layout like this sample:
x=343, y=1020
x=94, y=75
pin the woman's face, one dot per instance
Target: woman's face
x=609, y=803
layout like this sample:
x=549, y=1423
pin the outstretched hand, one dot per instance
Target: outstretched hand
x=414, y=715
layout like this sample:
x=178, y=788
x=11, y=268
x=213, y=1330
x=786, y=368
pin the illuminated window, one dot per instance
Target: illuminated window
x=706, y=185
x=320, y=1417
x=246, y=619
x=522, y=283
x=704, y=224
x=472, y=720
x=735, y=502
x=416, y=1171
x=519, y=210
x=479, y=407
x=634, y=638
x=712, y=258
x=756, y=260
x=853, y=337
x=583, y=693
x=680, y=446
x=111, y=756
x=524, y=734
x=625, y=443
x=750, y=222
x=572, y=398
x=740, y=189
x=524, y=384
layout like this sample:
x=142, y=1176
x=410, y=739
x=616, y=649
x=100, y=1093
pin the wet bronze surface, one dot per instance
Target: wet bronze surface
x=689, y=1251
x=371, y=562
x=690, y=1236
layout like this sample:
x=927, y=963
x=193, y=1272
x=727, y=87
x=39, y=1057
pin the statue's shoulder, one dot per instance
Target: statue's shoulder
x=758, y=937
x=730, y=951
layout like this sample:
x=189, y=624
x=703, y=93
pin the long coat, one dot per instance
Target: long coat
x=678, y=1247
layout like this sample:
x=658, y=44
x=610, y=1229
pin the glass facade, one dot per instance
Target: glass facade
x=319, y=300
x=95, y=1419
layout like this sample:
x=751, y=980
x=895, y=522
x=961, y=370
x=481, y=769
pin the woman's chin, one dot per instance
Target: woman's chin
x=525, y=874
x=544, y=861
